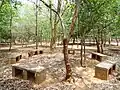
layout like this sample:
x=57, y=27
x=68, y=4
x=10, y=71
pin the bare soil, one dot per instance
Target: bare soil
x=54, y=63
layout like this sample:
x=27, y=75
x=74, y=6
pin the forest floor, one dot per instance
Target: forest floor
x=54, y=63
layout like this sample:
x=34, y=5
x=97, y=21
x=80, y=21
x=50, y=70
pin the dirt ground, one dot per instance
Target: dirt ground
x=54, y=63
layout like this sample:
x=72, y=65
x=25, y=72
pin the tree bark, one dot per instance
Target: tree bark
x=81, y=61
x=67, y=61
x=65, y=46
x=117, y=41
x=98, y=44
x=36, y=31
x=71, y=31
x=101, y=44
x=84, y=52
x=98, y=41
x=54, y=30
x=109, y=41
x=11, y=18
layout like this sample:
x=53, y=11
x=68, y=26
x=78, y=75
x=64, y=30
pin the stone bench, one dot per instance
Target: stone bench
x=98, y=56
x=114, y=49
x=34, y=52
x=30, y=72
x=14, y=58
x=104, y=69
x=73, y=51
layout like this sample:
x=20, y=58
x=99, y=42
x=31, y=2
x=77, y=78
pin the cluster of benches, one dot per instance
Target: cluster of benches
x=27, y=71
x=14, y=58
x=105, y=67
x=37, y=73
x=34, y=52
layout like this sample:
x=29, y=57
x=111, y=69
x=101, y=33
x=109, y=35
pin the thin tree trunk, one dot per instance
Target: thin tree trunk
x=54, y=30
x=65, y=46
x=67, y=61
x=109, y=41
x=51, y=25
x=73, y=40
x=117, y=41
x=98, y=41
x=84, y=53
x=41, y=37
x=36, y=31
x=81, y=61
x=71, y=31
x=101, y=44
x=11, y=17
x=77, y=43
x=98, y=45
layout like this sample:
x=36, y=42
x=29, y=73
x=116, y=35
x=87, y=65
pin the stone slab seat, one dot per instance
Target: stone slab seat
x=73, y=51
x=30, y=54
x=31, y=72
x=104, y=69
x=114, y=49
x=98, y=56
x=34, y=52
x=77, y=51
x=14, y=58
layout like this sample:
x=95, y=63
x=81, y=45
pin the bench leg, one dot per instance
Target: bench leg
x=25, y=74
x=13, y=71
x=40, y=77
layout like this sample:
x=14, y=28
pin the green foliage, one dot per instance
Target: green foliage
x=6, y=11
x=93, y=15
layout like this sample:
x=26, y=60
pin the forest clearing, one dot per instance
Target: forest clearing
x=59, y=44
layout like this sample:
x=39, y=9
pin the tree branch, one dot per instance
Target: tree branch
x=71, y=30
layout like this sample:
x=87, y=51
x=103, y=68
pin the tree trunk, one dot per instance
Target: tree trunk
x=41, y=37
x=73, y=40
x=11, y=17
x=36, y=33
x=67, y=61
x=81, y=61
x=101, y=44
x=117, y=41
x=84, y=53
x=54, y=30
x=109, y=41
x=98, y=41
x=101, y=47
x=98, y=45
x=77, y=43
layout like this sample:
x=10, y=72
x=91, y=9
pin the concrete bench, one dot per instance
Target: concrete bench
x=73, y=51
x=14, y=58
x=104, y=69
x=77, y=51
x=98, y=56
x=30, y=72
x=34, y=52
x=114, y=49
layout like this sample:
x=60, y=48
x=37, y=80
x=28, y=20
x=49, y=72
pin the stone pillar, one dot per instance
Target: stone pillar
x=25, y=74
x=13, y=71
x=40, y=77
